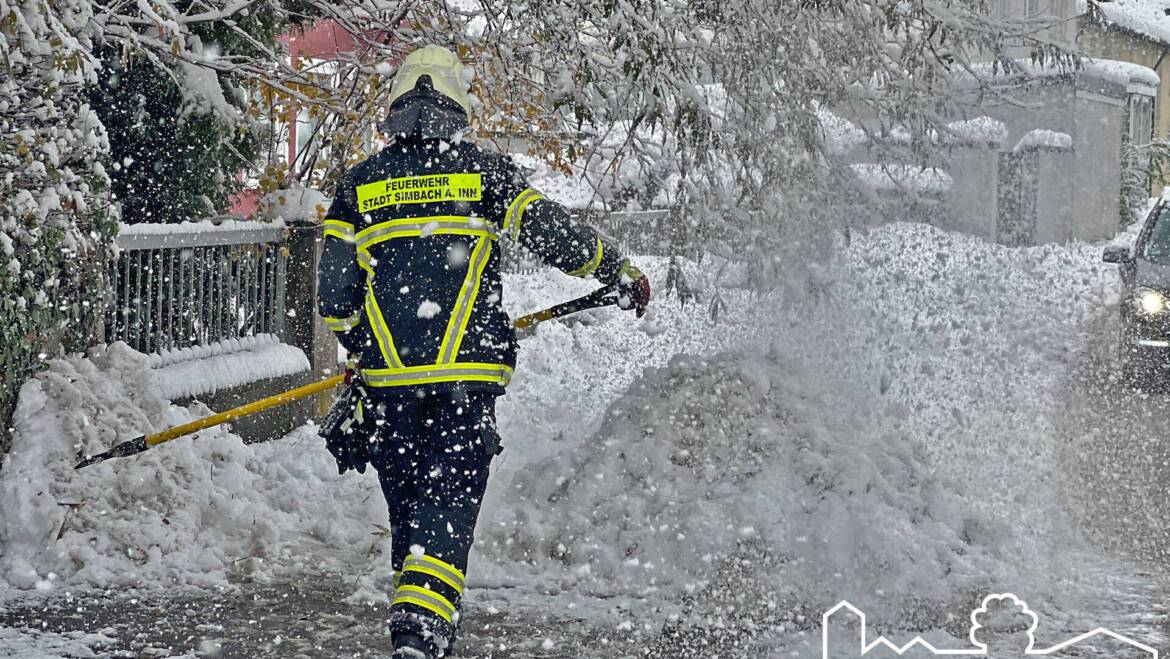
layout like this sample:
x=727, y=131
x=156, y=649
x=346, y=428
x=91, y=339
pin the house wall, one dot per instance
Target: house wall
x=1103, y=42
x=973, y=197
x=1096, y=176
x=1060, y=14
x=1082, y=190
x=1100, y=42
x=1056, y=201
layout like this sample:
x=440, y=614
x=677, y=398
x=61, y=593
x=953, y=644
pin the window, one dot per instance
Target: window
x=1158, y=243
x=1141, y=119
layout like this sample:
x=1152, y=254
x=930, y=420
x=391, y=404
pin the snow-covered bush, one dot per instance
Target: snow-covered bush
x=56, y=220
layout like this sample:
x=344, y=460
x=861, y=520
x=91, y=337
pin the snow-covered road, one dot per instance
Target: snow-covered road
x=1116, y=455
x=938, y=427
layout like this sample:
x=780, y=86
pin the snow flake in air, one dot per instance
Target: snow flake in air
x=428, y=309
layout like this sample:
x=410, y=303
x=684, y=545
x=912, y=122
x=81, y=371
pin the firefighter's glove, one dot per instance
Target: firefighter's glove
x=633, y=288
x=346, y=429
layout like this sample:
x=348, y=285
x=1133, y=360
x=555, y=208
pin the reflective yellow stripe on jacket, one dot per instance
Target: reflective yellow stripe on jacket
x=418, y=227
x=591, y=266
x=381, y=331
x=436, y=373
x=343, y=231
x=515, y=211
x=465, y=302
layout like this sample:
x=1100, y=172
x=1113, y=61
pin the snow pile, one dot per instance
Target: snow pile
x=225, y=364
x=893, y=445
x=1044, y=139
x=751, y=456
x=970, y=344
x=187, y=512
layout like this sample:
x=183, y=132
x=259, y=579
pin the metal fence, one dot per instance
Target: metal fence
x=184, y=285
x=178, y=286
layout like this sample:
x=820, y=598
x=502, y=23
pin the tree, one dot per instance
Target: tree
x=56, y=219
x=715, y=108
x=193, y=90
x=179, y=132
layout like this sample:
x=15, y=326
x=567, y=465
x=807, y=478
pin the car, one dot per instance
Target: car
x=1145, y=306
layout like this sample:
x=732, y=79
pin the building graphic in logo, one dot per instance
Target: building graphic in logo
x=1024, y=632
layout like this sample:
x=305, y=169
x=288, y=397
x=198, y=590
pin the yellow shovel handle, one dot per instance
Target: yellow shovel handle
x=245, y=410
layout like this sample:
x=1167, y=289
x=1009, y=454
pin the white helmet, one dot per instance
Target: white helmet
x=444, y=69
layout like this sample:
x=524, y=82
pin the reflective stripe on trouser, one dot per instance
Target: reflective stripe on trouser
x=426, y=599
x=431, y=566
x=436, y=373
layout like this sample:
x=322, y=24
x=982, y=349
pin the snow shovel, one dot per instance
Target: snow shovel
x=600, y=298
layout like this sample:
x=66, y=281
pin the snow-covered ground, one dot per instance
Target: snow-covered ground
x=896, y=442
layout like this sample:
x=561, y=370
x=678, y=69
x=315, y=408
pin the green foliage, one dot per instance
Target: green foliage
x=168, y=164
x=177, y=121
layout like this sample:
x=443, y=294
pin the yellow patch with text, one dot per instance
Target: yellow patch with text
x=429, y=189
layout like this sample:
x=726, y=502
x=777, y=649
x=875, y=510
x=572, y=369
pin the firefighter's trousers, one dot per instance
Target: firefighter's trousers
x=432, y=450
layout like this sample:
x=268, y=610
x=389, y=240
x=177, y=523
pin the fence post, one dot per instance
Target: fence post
x=302, y=328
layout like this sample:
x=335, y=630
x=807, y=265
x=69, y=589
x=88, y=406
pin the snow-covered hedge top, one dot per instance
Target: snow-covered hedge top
x=980, y=130
x=841, y=135
x=897, y=177
x=1145, y=17
x=1138, y=79
x=1044, y=139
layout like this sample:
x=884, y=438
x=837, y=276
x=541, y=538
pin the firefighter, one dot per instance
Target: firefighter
x=410, y=282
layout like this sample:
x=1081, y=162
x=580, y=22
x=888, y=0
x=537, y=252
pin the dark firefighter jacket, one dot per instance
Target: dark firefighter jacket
x=410, y=274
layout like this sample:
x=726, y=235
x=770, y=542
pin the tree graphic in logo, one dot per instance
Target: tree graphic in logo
x=1004, y=626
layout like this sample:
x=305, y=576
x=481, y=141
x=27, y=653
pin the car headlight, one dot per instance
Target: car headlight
x=1149, y=301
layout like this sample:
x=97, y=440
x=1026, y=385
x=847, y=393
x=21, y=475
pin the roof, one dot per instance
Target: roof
x=1145, y=18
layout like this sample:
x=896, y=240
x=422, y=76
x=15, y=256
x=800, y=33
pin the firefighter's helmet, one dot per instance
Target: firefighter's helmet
x=442, y=67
